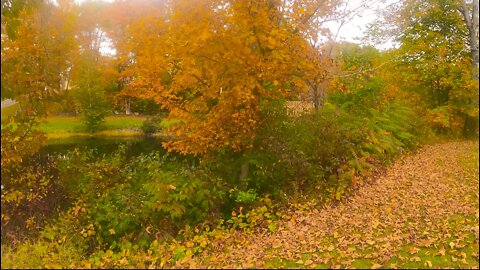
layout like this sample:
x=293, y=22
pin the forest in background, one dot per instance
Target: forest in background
x=218, y=80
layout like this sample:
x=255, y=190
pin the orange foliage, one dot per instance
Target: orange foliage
x=212, y=64
x=36, y=60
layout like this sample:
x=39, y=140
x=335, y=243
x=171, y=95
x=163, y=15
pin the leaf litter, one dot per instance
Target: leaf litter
x=422, y=206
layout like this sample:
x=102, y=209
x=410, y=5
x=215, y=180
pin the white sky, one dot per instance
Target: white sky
x=353, y=31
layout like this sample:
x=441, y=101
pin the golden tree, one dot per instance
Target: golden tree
x=214, y=64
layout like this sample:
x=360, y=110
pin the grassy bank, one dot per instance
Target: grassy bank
x=62, y=127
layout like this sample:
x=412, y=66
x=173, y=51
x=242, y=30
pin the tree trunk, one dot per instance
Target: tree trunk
x=474, y=39
x=319, y=90
x=470, y=127
x=127, y=106
x=243, y=171
x=315, y=97
x=471, y=20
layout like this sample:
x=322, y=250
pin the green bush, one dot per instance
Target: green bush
x=244, y=197
x=326, y=149
x=151, y=125
x=145, y=106
x=90, y=95
x=122, y=197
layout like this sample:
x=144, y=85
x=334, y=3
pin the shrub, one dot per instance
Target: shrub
x=30, y=188
x=90, y=95
x=151, y=125
x=140, y=199
x=326, y=149
x=145, y=106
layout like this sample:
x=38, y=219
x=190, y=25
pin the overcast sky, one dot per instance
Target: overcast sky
x=354, y=30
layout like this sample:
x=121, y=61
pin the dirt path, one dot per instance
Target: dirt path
x=422, y=214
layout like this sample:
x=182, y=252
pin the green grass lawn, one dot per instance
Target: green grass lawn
x=67, y=126
x=62, y=126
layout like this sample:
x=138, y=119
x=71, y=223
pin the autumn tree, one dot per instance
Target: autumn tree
x=436, y=55
x=37, y=45
x=470, y=17
x=359, y=75
x=37, y=48
x=469, y=12
x=116, y=18
x=322, y=37
x=213, y=65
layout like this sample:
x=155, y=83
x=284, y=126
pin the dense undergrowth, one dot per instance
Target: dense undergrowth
x=156, y=209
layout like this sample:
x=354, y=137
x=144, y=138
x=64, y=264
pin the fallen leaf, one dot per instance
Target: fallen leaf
x=413, y=250
x=416, y=259
x=394, y=266
x=441, y=252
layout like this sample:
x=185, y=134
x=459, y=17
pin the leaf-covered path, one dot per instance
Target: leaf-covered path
x=422, y=214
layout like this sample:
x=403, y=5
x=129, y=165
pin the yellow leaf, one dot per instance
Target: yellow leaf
x=428, y=263
x=413, y=250
x=123, y=261
x=111, y=231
